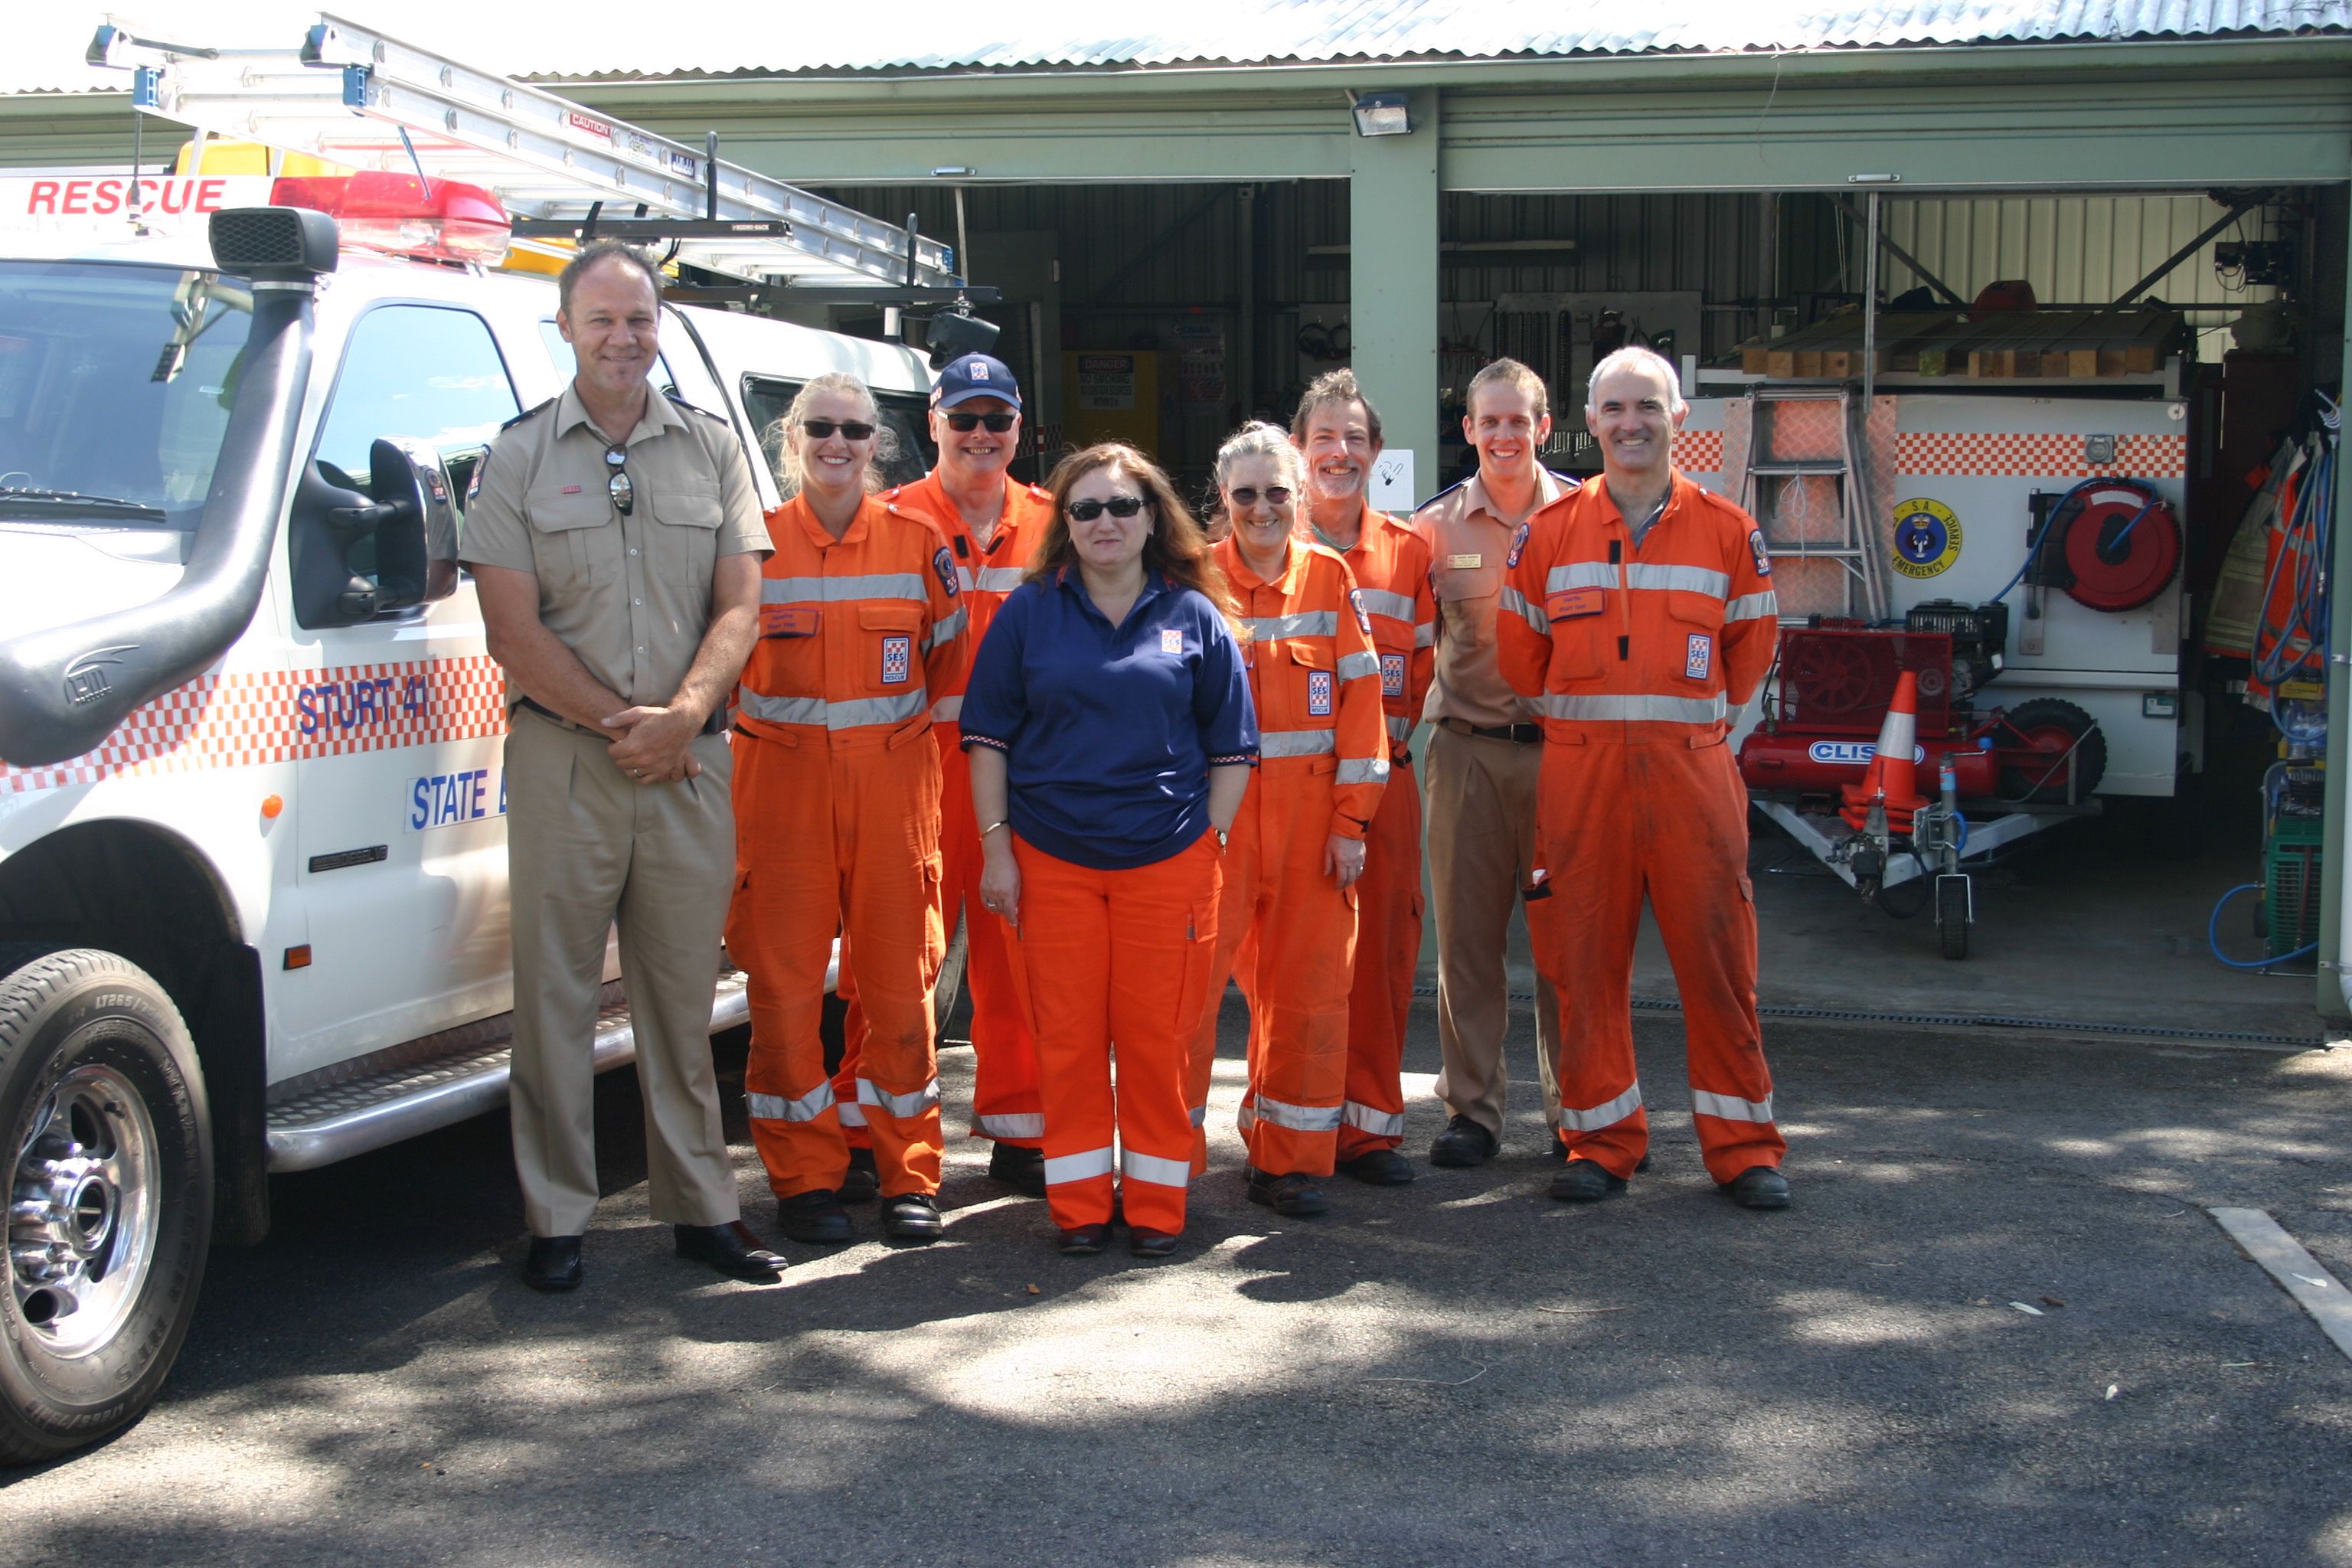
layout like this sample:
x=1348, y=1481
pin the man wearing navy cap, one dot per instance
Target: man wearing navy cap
x=992, y=523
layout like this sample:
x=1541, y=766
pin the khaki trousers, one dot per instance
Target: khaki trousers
x=1481, y=836
x=586, y=846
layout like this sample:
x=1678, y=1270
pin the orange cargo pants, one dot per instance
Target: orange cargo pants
x=839, y=838
x=1388, y=951
x=1296, y=967
x=1116, y=956
x=1617, y=819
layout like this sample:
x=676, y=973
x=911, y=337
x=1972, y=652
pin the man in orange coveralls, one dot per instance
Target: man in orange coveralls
x=1337, y=431
x=1638, y=613
x=1287, y=908
x=837, y=814
x=990, y=522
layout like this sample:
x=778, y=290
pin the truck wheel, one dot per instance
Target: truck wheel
x=2050, y=727
x=109, y=1142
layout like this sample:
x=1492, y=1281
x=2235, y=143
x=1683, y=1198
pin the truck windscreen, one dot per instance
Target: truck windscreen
x=115, y=386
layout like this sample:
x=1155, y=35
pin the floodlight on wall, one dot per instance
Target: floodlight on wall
x=1381, y=114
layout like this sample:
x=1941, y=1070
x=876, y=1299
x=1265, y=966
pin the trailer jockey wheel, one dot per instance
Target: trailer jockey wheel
x=2118, y=563
x=2039, y=734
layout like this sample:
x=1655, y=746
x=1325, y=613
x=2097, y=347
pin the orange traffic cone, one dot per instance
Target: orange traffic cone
x=1892, y=769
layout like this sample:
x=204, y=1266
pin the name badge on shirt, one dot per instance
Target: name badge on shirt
x=1319, y=693
x=1171, y=640
x=1469, y=562
x=1700, y=659
x=898, y=659
x=1391, y=675
x=788, y=620
x=1574, y=603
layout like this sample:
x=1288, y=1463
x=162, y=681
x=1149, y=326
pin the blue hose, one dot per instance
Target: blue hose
x=2051, y=516
x=2214, y=936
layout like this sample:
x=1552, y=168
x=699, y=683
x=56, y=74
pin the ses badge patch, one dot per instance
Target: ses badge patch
x=1700, y=659
x=944, y=564
x=1319, y=693
x=1171, y=641
x=1391, y=675
x=898, y=659
x=1356, y=603
x=1763, y=554
x=1518, y=543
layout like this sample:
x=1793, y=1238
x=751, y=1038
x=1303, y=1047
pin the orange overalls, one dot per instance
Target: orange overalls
x=1322, y=760
x=837, y=830
x=1390, y=565
x=1637, y=657
x=1005, y=1101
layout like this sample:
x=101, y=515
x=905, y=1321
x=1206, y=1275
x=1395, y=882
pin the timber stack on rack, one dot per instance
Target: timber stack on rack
x=2072, y=345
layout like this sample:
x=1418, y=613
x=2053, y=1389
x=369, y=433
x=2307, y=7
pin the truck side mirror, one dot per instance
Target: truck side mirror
x=360, y=555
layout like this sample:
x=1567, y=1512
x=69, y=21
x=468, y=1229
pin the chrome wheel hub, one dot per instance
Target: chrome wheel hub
x=82, y=1212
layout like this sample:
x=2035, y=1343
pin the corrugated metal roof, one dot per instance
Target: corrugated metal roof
x=613, y=38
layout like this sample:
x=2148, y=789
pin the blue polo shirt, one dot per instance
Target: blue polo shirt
x=1109, y=731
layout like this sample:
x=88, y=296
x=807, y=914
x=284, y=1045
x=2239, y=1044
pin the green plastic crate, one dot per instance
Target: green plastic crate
x=2291, y=883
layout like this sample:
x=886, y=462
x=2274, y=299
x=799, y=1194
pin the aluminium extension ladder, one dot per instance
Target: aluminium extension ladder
x=1854, y=548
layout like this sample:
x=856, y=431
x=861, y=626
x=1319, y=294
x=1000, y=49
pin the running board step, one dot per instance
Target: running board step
x=436, y=1082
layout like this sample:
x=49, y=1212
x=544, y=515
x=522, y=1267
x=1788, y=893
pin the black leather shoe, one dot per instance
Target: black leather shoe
x=1293, y=1194
x=1583, y=1182
x=1024, y=1170
x=1380, y=1168
x=815, y=1217
x=1559, y=1153
x=1758, y=1188
x=911, y=1217
x=1463, y=1144
x=1085, y=1240
x=861, y=1182
x=730, y=1248
x=552, y=1262
x=1150, y=1243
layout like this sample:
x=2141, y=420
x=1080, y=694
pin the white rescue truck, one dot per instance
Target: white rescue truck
x=253, y=883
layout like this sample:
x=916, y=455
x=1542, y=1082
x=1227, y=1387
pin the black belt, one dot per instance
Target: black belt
x=1523, y=734
x=714, y=725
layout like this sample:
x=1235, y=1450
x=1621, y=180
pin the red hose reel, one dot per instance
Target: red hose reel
x=2113, y=547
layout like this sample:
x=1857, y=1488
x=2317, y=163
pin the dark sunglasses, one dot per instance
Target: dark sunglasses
x=623, y=493
x=1275, y=495
x=998, y=424
x=1118, y=506
x=855, y=429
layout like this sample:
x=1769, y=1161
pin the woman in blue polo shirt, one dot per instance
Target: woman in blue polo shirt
x=1107, y=720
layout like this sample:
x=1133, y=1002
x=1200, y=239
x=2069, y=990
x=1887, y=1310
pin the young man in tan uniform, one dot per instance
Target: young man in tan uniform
x=615, y=541
x=1482, y=762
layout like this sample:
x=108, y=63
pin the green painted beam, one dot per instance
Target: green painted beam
x=1393, y=212
x=2334, y=840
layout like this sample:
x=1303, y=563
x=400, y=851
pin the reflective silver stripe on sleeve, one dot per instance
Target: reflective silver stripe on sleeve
x=1306, y=624
x=852, y=1114
x=1379, y=1123
x=1356, y=666
x=1296, y=743
x=1604, y=1115
x=1511, y=602
x=848, y=715
x=1028, y=1125
x=1081, y=1167
x=947, y=709
x=1684, y=579
x=1151, y=1168
x=1657, y=709
x=999, y=579
x=836, y=590
x=776, y=1108
x=1400, y=729
x=1362, y=770
x=901, y=1105
x=1752, y=608
x=1425, y=635
x=1381, y=602
x=1300, y=1118
x=945, y=632
x=1579, y=574
x=1730, y=1106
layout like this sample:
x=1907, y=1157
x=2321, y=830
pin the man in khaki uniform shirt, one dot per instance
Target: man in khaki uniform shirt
x=1482, y=762
x=615, y=541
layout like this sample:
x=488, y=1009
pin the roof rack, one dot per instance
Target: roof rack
x=354, y=96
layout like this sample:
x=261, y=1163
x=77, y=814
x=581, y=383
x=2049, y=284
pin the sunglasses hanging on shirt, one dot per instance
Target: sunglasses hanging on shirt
x=623, y=493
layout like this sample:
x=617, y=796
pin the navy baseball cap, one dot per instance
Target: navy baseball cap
x=975, y=375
